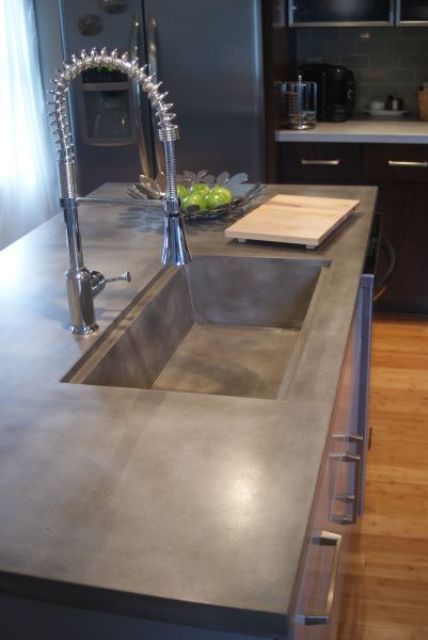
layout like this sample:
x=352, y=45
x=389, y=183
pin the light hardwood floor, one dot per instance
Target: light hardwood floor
x=386, y=593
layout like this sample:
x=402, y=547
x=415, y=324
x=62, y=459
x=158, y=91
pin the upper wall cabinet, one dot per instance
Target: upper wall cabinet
x=345, y=13
x=412, y=12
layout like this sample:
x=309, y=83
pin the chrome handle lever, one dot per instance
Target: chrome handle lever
x=98, y=281
x=125, y=276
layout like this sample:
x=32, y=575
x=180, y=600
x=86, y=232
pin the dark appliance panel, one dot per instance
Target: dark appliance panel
x=209, y=56
x=336, y=90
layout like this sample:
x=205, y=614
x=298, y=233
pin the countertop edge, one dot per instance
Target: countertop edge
x=367, y=132
x=135, y=605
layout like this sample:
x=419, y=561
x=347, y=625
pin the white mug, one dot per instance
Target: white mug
x=376, y=105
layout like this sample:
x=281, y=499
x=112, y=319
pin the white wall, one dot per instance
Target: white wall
x=29, y=193
x=50, y=40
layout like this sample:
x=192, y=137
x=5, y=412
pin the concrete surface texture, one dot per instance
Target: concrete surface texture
x=184, y=507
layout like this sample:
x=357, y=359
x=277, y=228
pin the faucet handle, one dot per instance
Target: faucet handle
x=125, y=276
x=98, y=281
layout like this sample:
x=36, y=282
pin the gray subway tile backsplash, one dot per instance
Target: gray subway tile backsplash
x=385, y=61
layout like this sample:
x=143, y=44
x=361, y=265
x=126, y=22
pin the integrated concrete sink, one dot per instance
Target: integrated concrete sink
x=220, y=325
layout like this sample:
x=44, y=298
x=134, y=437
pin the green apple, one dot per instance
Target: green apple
x=200, y=187
x=192, y=201
x=218, y=197
x=182, y=191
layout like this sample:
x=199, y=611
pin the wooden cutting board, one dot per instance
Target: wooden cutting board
x=303, y=220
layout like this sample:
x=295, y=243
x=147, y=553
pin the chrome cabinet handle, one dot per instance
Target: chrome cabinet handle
x=354, y=498
x=314, y=617
x=320, y=163
x=348, y=437
x=407, y=163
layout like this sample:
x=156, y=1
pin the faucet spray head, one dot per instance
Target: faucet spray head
x=175, y=250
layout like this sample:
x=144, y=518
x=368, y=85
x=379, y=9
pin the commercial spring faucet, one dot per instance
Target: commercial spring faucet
x=83, y=284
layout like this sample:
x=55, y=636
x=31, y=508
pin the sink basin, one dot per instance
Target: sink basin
x=220, y=325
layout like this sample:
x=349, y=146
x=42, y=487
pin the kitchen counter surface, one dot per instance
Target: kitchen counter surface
x=399, y=131
x=184, y=508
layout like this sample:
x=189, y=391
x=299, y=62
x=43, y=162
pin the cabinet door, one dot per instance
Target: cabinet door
x=412, y=12
x=333, y=13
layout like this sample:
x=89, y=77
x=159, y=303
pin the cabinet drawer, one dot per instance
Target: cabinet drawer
x=396, y=163
x=315, y=162
x=320, y=590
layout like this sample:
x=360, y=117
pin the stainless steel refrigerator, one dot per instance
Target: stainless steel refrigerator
x=208, y=54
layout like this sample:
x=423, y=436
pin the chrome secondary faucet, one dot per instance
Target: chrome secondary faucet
x=83, y=284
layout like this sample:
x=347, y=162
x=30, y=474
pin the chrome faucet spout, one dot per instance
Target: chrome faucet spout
x=82, y=284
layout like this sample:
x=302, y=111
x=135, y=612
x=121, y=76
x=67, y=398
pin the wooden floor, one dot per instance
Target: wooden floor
x=386, y=596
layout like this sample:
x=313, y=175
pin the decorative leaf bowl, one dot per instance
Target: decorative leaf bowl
x=233, y=187
x=189, y=182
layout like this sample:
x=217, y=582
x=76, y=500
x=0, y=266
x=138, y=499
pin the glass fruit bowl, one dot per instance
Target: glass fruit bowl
x=207, y=197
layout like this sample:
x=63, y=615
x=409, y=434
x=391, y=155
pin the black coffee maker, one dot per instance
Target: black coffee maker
x=336, y=90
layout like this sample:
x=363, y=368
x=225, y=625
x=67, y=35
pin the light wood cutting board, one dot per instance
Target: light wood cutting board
x=303, y=220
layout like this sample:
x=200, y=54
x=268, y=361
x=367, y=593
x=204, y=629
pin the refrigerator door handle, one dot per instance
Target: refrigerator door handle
x=152, y=46
x=135, y=93
x=153, y=62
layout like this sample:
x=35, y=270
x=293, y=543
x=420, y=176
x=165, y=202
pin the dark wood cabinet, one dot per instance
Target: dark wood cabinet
x=412, y=12
x=314, y=162
x=401, y=173
x=405, y=223
x=407, y=163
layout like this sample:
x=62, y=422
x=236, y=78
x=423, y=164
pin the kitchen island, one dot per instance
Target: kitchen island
x=155, y=508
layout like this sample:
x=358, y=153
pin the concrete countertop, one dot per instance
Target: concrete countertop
x=373, y=130
x=184, y=508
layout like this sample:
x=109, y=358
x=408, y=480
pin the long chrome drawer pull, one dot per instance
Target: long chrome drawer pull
x=325, y=538
x=349, y=498
x=405, y=163
x=321, y=163
x=348, y=437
